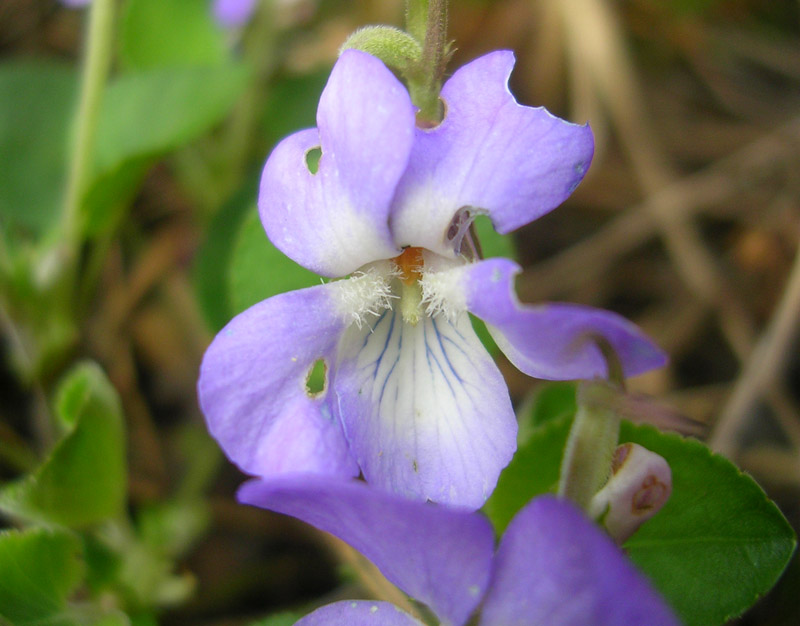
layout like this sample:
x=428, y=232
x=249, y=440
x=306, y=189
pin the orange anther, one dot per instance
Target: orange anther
x=410, y=264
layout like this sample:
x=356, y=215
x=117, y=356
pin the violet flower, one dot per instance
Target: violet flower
x=553, y=566
x=412, y=398
x=232, y=13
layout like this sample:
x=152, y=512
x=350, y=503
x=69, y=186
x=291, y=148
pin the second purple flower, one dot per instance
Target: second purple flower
x=412, y=399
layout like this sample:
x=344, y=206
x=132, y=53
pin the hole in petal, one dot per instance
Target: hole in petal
x=317, y=379
x=313, y=156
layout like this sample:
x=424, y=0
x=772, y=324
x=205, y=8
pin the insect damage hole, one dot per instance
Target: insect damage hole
x=313, y=156
x=317, y=379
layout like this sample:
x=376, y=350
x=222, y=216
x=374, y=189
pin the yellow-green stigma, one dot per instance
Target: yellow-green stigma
x=410, y=264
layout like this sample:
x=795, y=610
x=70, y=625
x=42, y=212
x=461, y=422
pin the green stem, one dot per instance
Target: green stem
x=417, y=19
x=590, y=448
x=97, y=62
x=425, y=80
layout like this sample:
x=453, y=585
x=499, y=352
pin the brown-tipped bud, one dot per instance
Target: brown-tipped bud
x=640, y=484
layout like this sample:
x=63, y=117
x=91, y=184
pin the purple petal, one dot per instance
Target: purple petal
x=76, y=3
x=336, y=220
x=252, y=386
x=440, y=556
x=358, y=613
x=555, y=567
x=514, y=162
x=552, y=341
x=234, y=12
x=425, y=409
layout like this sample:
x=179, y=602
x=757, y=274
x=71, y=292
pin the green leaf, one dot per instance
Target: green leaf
x=103, y=563
x=719, y=543
x=83, y=481
x=201, y=460
x=156, y=111
x=479, y=326
x=40, y=569
x=533, y=471
x=550, y=401
x=259, y=270
x=144, y=115
x=150, y=113
x=292, y=103
x=113, y=619
x=547, y=402
x=172, y=527
x=212, y=264
x=715, y=548
x=111, y=191
x=493, y=244
x=36, y=100
x=157, y=33
x=544, y=422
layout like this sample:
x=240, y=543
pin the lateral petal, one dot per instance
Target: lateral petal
x=337, y=219
x=554, y=567
x=513, y=162
x=552, y=341
x=441, y=556
x=425, y=409
x=252, y=385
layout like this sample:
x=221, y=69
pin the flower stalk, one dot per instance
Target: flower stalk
x=425, y=78
x=95, y=72
x=590, y=448
x=417, y=18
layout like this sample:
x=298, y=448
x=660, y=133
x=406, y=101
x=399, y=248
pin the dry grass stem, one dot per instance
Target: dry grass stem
x=762, y=367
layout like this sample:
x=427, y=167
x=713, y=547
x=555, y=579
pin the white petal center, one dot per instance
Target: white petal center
x=422, y=404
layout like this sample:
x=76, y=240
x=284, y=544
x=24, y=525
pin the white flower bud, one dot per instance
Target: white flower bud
x=640, y=484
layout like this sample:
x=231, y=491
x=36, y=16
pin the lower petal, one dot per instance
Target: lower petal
x=440, y=556
x=552, y=341
x=425, y=409
x=554, y=566
x=358, y=613
x=252, y=386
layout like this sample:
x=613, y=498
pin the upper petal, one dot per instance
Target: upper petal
x=425, y=409
x=358, y=613
x=336, y=220
x=551, y=341
x=514, y=162
x=440, y=556
x=252, y=385
x=554, y=567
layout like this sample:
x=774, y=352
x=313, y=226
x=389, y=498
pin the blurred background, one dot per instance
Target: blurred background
x=687, y=223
